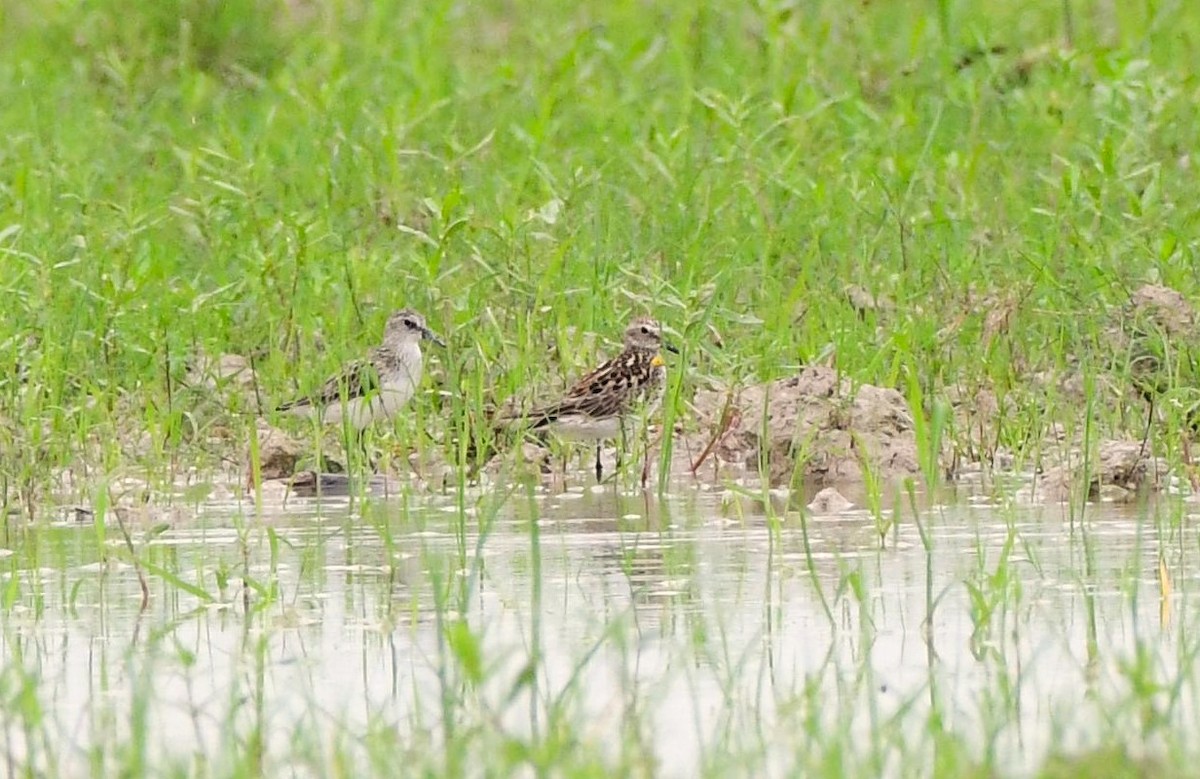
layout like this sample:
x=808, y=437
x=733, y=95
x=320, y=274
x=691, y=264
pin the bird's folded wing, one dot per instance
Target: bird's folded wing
x=594, y=406
x=356, y=380
x=605, y=392
x=602, y=393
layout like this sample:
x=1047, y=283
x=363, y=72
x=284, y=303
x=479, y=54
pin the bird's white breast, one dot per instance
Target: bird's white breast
x=581, y=427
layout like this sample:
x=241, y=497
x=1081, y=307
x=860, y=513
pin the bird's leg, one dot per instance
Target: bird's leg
x=620, y=446
x=557, y=450
x=366, y=452
x=645, y=455
x=599, y=467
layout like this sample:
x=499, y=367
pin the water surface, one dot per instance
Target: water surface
x=682, y=632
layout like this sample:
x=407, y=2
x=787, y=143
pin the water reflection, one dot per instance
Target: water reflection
x=711, y=632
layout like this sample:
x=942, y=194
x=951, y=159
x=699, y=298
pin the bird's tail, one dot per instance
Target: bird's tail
x=501, y=429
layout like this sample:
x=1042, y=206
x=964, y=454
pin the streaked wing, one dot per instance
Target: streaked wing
x=604, y=392
x=356, y=380
x=595, y=406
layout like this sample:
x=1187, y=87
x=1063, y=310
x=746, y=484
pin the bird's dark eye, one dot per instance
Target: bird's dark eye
x=645, y=330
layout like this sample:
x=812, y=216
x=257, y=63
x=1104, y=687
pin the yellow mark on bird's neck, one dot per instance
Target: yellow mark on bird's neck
x=657, y=361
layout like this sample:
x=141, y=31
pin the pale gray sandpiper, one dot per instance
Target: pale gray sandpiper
x=599, y=406
x=377, y=387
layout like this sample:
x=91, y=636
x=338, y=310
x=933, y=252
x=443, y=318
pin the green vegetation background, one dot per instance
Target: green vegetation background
x=269, y=178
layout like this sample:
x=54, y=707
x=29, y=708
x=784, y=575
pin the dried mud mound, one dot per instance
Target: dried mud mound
x=1153, y=332
x=1165, y=308
x=817, y=423
x=1119, y=471
x=278, y=453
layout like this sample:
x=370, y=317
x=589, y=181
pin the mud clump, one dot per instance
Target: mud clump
x=1153, y=334
x=816, y=425
x=976, y=417
x=1120, y=471
x=278, y=453
x=1166, y=308
x=864, y=302
x=829, y=501
x=222, y=371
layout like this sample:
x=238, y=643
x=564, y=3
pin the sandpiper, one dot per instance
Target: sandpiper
x=598, y=406
x=377, y=387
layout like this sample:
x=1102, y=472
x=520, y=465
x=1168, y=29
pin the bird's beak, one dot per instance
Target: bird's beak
x=429, y=335
x=670, y=347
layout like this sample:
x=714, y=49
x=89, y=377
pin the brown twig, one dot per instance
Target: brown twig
x=729, y=415
x=137, y=565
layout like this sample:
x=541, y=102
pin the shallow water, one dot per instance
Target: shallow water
x=677, y=628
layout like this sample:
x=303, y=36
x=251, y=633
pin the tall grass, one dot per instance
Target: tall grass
x=268, y=179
